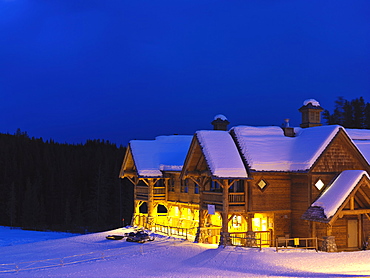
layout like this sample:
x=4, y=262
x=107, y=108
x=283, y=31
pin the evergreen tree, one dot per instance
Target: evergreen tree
x=350, y=114
x=51, y=185
x=12, y=205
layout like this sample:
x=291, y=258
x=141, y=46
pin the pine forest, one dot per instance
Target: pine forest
x=61, y=187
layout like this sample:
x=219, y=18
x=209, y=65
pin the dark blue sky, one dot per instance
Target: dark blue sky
x=73, y=70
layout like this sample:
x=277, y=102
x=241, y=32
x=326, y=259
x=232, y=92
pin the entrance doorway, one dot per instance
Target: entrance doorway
x=352, y=233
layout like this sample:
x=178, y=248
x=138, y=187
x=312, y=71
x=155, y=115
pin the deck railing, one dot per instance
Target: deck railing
x=237, y=198
x=175, y=230
x=159, y=193
x=296, y=243
x=212, y=197
x=142, y=192
x=251, y=239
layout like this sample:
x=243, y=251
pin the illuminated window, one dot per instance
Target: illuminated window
x=319, y=184
x=176, y=211
x=237, y=221
x=262, y=184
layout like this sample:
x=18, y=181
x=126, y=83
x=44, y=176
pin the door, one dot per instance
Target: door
x=352, y=233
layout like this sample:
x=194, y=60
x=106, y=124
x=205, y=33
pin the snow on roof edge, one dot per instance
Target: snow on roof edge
x=215, y=144
x=334, y=196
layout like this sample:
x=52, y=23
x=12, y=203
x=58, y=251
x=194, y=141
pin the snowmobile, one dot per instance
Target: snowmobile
x=114, y=237
x=139, y=236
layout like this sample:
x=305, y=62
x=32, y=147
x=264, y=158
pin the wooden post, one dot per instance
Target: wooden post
x=329, y=230
x=150, y=203
x=250, y=223
x=314, y=233
x=225, y=213
x=202, y=213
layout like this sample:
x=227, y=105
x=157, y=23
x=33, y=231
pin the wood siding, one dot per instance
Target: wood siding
x=300, y=201
x=276, y=195
x=339, y=156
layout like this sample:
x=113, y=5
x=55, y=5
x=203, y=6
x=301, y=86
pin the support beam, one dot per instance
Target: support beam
x=363, y=194
x=352, y=203
x=354, y=212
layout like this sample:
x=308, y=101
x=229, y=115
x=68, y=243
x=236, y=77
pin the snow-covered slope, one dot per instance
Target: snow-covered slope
x=93, y=256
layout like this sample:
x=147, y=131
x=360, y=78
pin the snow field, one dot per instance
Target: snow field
x=94, y=256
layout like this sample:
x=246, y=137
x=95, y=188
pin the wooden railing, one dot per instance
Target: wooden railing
x=159, y=193
x=212, y=197
x=142, y=192
x=252, y=239
x=237, y=198
x=175, y=230
x=209, y=234
x=296, y=243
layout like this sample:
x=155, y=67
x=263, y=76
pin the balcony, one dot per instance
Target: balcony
x=159, y=193
x=212, y=197
x=142, y=193
x=235, y=199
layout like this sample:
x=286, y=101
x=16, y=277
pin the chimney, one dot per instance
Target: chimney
x=311, y=113
x=288, y=131
x=220, y=122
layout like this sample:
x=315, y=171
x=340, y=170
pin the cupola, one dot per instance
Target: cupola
x=311, y=113
x=220, y=122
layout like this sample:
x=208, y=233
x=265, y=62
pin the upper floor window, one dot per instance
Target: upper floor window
x=196, y=188
x=237, y=186
x=171, y=185
x=184, y=186
x=215, y=186
x=319, y=184
x=262, y=184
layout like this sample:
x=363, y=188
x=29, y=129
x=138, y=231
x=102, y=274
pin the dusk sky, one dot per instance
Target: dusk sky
x=74, y=70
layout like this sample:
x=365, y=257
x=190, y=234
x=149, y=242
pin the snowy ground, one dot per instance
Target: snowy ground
x=38, y=254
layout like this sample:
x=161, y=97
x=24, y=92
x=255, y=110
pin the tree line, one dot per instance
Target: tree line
x=350, y=114
x=46, y=185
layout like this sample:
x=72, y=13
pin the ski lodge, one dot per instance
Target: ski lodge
x=248, y=185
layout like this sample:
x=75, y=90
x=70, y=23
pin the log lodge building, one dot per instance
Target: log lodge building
x=262, y=183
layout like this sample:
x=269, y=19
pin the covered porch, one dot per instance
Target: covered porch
x=341, y=214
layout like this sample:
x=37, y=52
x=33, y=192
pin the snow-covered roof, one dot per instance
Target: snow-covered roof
x=314, y=102
x=334, y=196
x=221, y=154
x=221, y=117
x=361, y=138
x=267, y=149
x=165, y=153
